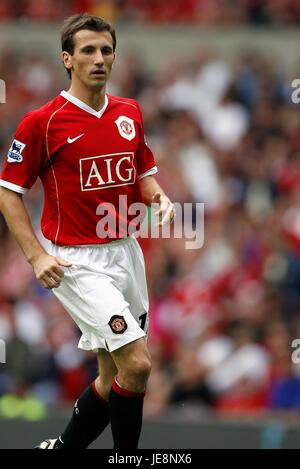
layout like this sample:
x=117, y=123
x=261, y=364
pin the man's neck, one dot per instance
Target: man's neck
x=94, y=99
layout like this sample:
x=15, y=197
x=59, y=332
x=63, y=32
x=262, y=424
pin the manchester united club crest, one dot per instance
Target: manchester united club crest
x=117, y=324
x=126, y=127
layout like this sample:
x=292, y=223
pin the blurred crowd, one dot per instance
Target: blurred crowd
x=207, y=12
x=223, y=317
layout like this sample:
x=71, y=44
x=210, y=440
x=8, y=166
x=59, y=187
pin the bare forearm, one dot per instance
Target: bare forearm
x=153, y=194
x=17, y=219
x=149, y=187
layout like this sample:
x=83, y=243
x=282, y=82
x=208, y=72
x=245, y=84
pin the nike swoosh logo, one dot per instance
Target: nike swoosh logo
x=71, y=140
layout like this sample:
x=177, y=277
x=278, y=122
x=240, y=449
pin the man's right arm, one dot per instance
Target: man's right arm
x=46, y=268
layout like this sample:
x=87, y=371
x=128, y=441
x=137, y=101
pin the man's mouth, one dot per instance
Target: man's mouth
x=98, y=73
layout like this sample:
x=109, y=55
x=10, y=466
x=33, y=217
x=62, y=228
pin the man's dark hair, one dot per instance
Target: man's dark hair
x=76, y=23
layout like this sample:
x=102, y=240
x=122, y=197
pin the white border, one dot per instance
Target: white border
x=13, y=187
x=83, y=105
x=149, y=172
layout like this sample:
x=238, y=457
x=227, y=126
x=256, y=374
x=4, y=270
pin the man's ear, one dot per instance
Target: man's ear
x=67, y=59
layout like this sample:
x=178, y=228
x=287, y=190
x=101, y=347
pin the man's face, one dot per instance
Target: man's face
x=92, y=58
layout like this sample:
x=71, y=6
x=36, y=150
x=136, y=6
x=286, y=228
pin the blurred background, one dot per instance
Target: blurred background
x=213, y=79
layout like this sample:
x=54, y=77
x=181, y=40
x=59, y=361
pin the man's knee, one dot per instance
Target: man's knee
x=134, y=375
x=139, y=367
x=133, y=362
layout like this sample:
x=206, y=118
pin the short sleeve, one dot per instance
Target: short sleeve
x=146, y=164
x=25, y=156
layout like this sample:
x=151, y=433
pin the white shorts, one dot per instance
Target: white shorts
x=105, y=292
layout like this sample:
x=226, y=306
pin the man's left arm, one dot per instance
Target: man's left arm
x=153, y=194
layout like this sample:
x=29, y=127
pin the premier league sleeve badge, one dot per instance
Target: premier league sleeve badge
x=15, y=152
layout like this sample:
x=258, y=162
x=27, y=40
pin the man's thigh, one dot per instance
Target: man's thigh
x=93, y=294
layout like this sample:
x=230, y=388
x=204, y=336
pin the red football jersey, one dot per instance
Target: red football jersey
x=84, y=158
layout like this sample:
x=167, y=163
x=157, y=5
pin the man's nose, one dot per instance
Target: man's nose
x=98, y=58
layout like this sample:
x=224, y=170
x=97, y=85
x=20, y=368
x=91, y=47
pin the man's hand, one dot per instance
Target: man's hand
x=48, y=271
x=166, y=212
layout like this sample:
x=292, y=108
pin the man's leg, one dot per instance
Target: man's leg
x=91, y=412
x=126, y=396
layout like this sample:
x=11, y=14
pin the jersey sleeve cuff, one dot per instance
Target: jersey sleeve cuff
x=149, y=172
x=13, y=187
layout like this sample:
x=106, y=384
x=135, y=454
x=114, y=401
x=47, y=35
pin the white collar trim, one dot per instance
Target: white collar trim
x=84, y=106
